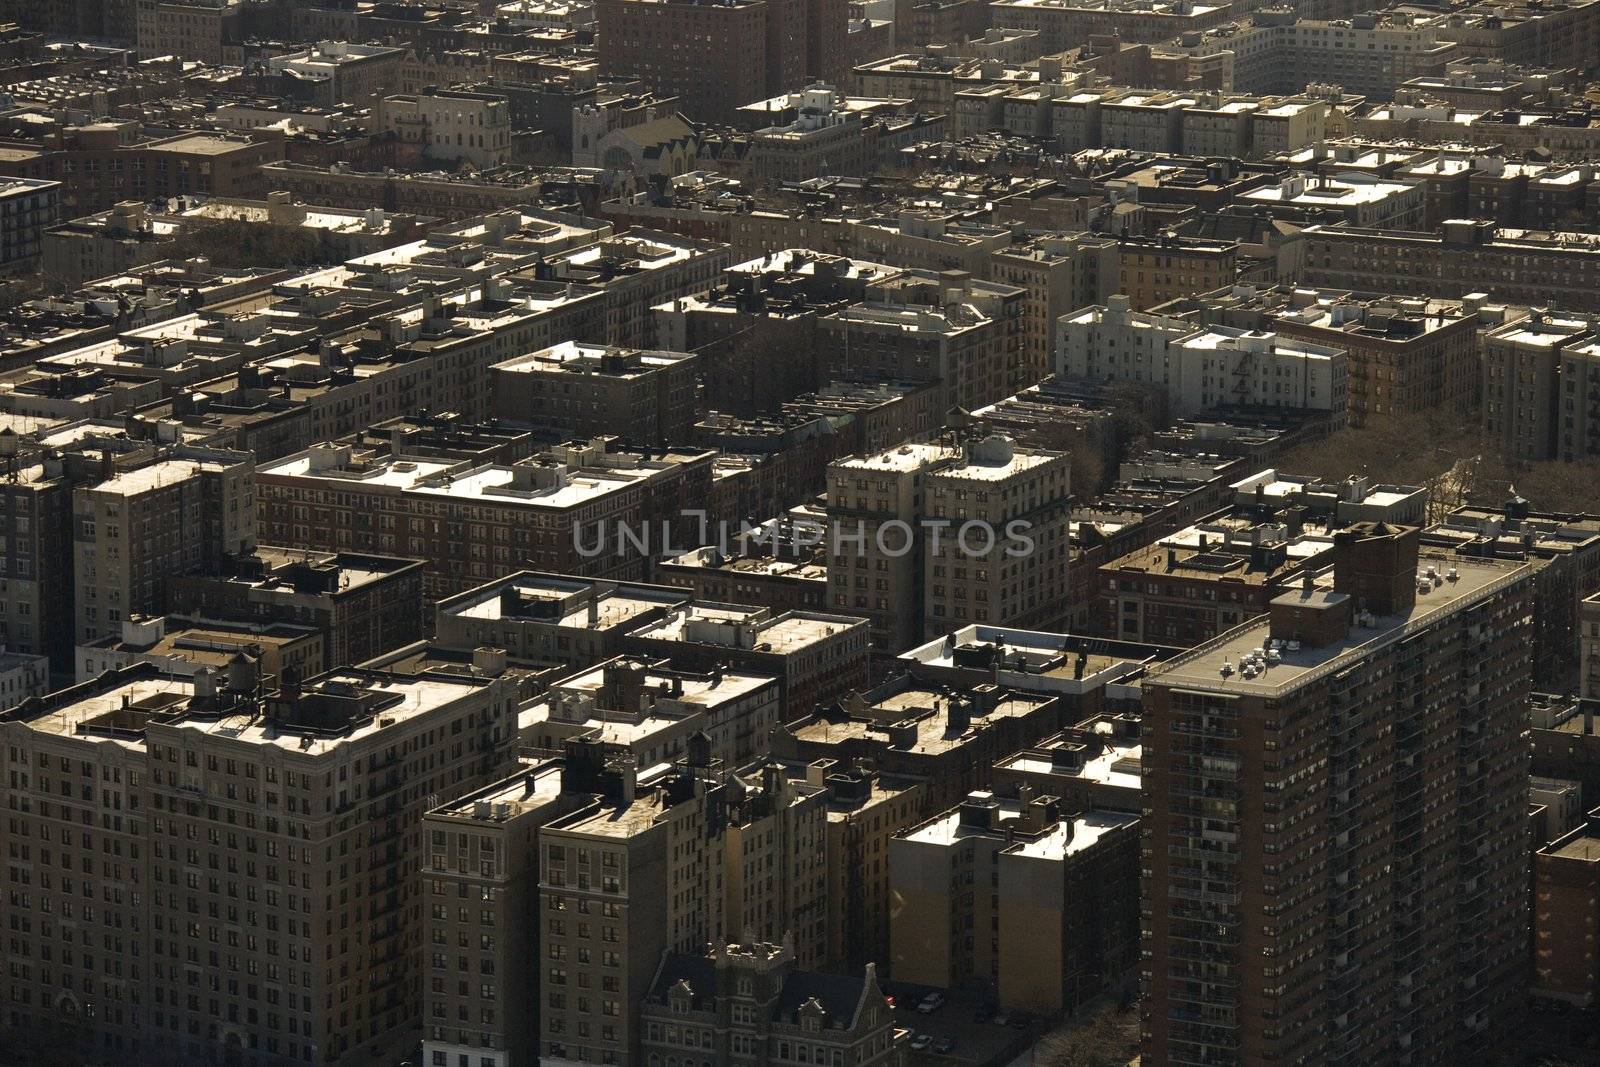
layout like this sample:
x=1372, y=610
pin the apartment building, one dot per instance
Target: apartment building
x=1463, y=257
x=1566, y=915
x=965, y=334
x=1336, y=839
x=717, y=58
x=654, y=708
x=552, y=618
x=338, y=72
x=1216, y=366
x=1589, y=647
x=135, y=529
x=1021, y=897
x=1003, y=557
x=28, y=206
x=1528, y=405
x=866, y=808
x=880, y=578
x=481, y=923
x=663, y=864
x=1403, y=355
x=1363, y=199
x=183, y=646
x=1192, y=585
x=362, y=605
x=1064, y=24
x=252, y=863
x=560, y=512
x=582, y=391
x=1059, y=273
x=22, y=675
x=920, y=729
x=815, y=657
x=1154, y=269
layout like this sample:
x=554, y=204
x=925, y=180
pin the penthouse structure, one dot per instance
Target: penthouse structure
x=293, y=811
x=1289, y=788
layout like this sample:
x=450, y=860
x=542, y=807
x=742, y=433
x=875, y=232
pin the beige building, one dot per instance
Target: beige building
x=1524, y=396
x=658, y=862
x=250, y=856
x=481, y=918
x=1003, y=555
x=1022, y=897
x=136, y=528
x=1059, y=273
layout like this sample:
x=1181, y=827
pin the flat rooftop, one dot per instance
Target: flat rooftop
x=1066, y=836
x=1201, y=668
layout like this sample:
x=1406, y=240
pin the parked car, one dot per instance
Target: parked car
x=921, y=1041
x=930, y=1003
x=1002, y=1019
x=944, y=1046
x=1021, y=1020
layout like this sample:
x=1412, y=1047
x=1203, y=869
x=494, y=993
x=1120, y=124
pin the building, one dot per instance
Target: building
x=1003, y=559
x=1527, y=401
x=564, y=511
x=1372, y=751
x=481, y=876
x=1205, y=368
x=1566, y=915
x=815, y=657
x=326, y=779
x=654, y=708
x=136, y=529
x=582, y=391
x=551, y=618
x=1049, y=918
x=361, y=605
x=1403, y=355
x=1190, y=586
x=664, y=864
x=182, y=647
x=338, y=72
x=716, y=58
x=22, y=675
x=1152, y=270
x=751, y=999
x=28, y=206
x=1463, y=257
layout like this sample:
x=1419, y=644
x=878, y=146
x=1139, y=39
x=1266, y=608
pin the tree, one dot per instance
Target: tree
x=1105, y=1039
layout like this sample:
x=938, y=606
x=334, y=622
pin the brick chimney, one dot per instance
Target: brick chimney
x=1375, y=564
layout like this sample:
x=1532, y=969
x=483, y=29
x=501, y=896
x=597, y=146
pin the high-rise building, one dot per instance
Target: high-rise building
x=213, y=873
x=1336, y=836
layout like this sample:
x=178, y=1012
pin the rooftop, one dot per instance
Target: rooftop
x=1201, y=667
